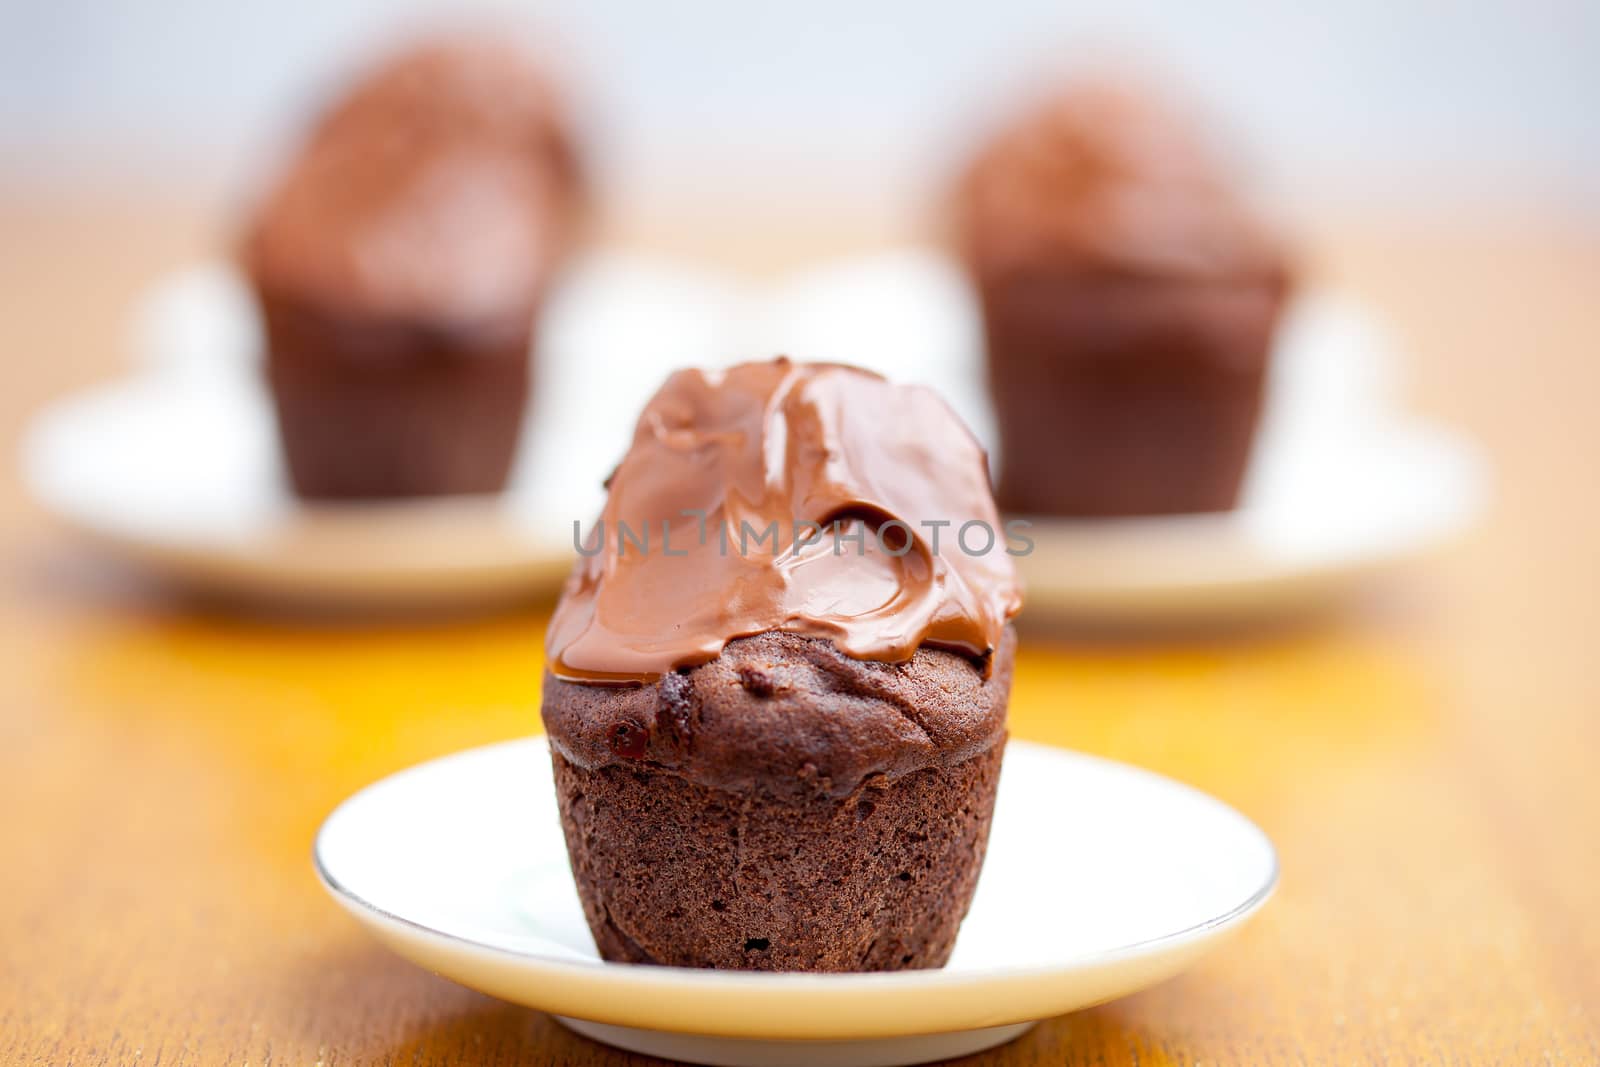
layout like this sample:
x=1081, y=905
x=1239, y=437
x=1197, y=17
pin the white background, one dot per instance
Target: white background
x=1431, y=107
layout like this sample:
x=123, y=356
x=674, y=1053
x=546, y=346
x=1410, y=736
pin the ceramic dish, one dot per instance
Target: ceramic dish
x=1101, y=879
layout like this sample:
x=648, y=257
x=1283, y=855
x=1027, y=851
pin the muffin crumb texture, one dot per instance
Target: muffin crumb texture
x=674, y=873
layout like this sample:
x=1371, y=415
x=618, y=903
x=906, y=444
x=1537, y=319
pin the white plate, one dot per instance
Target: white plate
x=183, y=476
x=1101, y=880
x=178, y=467
x=1316, y=520
x=1342, y=485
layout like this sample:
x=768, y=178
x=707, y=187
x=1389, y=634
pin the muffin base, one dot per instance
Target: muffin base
x=1127, y=396
x=674, y=872
x=371, y=410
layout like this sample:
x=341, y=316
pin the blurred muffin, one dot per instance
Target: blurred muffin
x=401, y=260
x=779, y=756
x=1129, y=299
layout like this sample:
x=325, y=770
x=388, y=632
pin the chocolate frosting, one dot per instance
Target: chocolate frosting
x=780, y=443
x=442, y=188
x=1101, y=177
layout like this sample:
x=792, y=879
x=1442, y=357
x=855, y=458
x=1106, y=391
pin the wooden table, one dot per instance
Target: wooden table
x=1425, y=761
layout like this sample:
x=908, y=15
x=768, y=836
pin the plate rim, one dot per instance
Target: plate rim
x=252, y=567
x=1266, y=586
x=640, y=978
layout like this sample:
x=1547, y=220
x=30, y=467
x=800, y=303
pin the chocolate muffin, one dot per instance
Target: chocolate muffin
x=777, y=726
x=1129, y=299
x=400, y=262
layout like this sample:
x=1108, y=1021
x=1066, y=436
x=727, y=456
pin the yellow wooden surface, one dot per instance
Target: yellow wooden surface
x=1424, y=760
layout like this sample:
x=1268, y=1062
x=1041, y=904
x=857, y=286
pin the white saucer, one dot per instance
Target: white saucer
x=1315, y=521
x=1101, y=880
x=1342, y=484
x=178, y=466
x=182, y=476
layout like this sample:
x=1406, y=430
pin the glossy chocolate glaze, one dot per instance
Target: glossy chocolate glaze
x=776, y=443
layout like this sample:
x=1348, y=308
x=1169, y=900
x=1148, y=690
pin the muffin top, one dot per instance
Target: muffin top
x=811, y=499
x=789, y=713
x=442, y=188
x=1103, y=178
